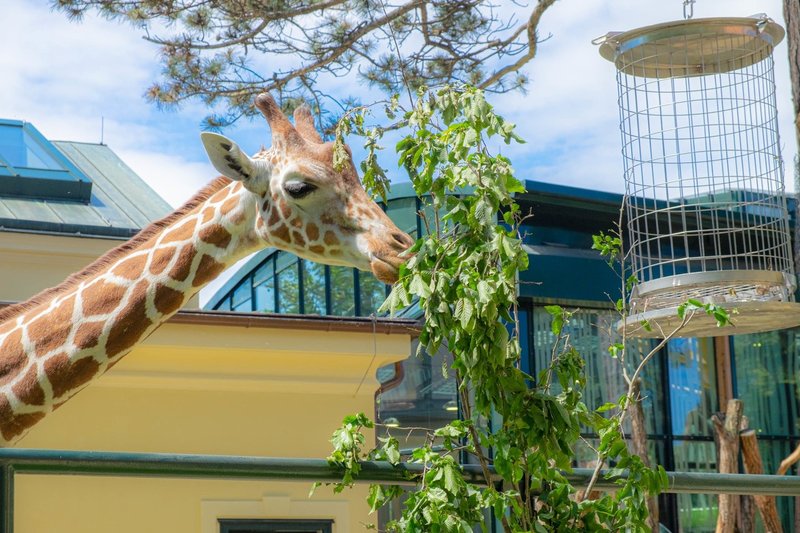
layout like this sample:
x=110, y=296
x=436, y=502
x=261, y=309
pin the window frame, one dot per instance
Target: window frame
x=272, y=525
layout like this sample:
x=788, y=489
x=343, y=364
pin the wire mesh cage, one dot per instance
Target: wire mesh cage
x=705, y=207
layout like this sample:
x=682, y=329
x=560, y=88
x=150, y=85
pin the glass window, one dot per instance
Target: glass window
x=19, y=149
x=224, y=304
x=264, y=282
x=287, y=281
x=696, y=512
x=420, y=397
x=372, y=291
x=692, y=385
x=765, y=379
x=343, y=298
x=242, y=296
x=591, y=332
x=314, y=301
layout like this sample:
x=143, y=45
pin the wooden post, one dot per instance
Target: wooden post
x=746, y=521
x=728, y=434
x=753, y=465
x=639, y=447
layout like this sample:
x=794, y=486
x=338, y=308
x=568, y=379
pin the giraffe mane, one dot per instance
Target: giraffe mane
x=115, y=253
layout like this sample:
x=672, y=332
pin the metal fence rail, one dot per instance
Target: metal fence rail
x=66, y=462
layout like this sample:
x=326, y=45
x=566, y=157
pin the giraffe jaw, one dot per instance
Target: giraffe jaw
x=384, y=270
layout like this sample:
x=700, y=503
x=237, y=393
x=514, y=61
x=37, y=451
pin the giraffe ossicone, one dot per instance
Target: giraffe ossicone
x=289, y=196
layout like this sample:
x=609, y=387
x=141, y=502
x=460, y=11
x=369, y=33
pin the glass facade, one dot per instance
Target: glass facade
x=683, y=385
x=283, y=283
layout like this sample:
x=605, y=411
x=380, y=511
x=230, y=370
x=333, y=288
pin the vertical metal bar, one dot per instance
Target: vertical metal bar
x=328, y=302
x=301, y=295
x=7, y=498
x=357, y=293
x=670, y=512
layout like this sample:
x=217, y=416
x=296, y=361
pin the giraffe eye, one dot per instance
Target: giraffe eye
x=299, y=189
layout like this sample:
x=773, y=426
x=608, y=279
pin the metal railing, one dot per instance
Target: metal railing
x=15, y=461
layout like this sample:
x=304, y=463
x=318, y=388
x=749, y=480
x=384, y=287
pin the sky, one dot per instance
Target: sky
x=68, y=78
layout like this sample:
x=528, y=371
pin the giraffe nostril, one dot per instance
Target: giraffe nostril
x=402, y=240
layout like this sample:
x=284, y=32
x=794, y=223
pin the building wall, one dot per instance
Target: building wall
x=209, y=390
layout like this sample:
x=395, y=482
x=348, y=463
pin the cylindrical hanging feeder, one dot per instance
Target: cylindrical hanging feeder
x=705, y=206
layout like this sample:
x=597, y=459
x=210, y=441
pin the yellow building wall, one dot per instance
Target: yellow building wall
x=208, y=390
x=227, y=390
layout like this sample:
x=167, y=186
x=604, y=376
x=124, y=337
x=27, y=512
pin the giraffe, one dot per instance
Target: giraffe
x=289, y=197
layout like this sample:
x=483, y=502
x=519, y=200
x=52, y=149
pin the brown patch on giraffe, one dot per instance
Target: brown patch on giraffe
x=101, y=297
x=331, y=239
x=327, y=219
x=274, y=217
x=50, y=330
x=297, y=238
x=335, y=252
x=221, y=195
x=229, y=205
x=260, y=223
x=312, y=231
x=130, y=268
x=65, y=375
x=167, y=299
x=88, y=334
x=12, y=425
x=131, y=324
x=160, y=259
x=286, y=211
x=317, y=249
x=281, y=232
x=183, y=266
x=208, y=214
x=28, y=389
x=216, y=235
x=181, y=233
x=297, y=222
x=13, y=356
x=208, y=269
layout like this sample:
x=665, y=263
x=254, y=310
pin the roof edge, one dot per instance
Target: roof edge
x=387, y=326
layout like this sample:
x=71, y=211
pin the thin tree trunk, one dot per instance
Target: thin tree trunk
x=728, y=433
x=753, y=465
x=638, y=444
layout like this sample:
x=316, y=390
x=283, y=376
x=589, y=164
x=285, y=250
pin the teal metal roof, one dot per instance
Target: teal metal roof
x=118, y=204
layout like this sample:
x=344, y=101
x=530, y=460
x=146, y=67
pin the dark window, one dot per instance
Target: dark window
x=275, y=526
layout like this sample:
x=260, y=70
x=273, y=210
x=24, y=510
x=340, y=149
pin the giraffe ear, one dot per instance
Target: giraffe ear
x=227, y=157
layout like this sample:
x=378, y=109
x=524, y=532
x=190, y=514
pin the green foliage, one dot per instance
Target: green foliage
x=463, y=273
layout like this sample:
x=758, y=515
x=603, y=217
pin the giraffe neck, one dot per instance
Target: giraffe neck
x=52, y=349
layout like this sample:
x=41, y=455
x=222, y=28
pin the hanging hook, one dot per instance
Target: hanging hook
x=688, y=9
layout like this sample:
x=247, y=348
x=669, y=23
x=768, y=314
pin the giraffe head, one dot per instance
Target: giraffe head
x=306, y=206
